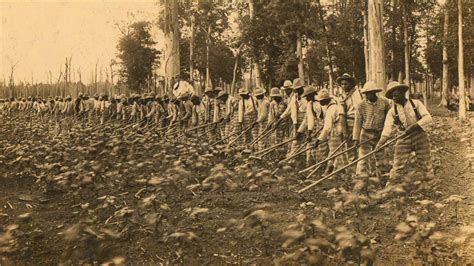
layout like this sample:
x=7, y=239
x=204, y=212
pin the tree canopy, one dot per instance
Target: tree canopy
x=138, y=55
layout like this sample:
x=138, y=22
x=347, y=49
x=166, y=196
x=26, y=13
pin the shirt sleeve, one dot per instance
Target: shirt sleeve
x=341, y=106
x=304, y=123
x=389, y=124
x=357, y=124
x=241, y=111
x=215, y=116
x=263, y=112
x=310, y=115
x=294, y=112
x=426, y=118
x=229, y=106
x=329, y=120
x=287, y=111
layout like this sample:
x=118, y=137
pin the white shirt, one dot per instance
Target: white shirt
x=407, y=116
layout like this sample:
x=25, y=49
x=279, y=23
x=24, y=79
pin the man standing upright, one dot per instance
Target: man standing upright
x=350, y=98
x=262, y=115
x=368, y=124
x=296, y=109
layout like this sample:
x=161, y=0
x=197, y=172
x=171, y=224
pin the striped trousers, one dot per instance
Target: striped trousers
x=419, y=143
x=263, y=143
x=363, y=167
x=326, y=148
x=352, y=154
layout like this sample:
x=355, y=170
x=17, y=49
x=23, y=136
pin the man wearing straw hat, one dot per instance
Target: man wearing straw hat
x=330, y=111
x=368, y=124
x=350, y=98
x=262, y=115
x=296, y=110
x=276, y=108
x=411, y=117
x=313, y=113
x=229, y=108
x=246, y=114
x=287, y=90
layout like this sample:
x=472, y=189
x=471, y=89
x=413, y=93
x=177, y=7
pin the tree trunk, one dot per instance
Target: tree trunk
x=208, y=43
x=236, y=65
x=375, y=28
x=299, y=55
x=191, y=52
x=255, y=65
x=406, y=46
x=171, y=40
x=328, y=47
x=366, y=47
x=462, y=91
x=445, y=83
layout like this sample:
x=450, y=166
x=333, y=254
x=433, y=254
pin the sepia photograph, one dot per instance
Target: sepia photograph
x=246, y=132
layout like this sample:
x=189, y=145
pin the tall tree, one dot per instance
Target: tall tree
x=376, y=49
x=137, y=55
x=445, y=83
x=406, y=43
x=255, y=59
x=169, y=23
x=462, y=91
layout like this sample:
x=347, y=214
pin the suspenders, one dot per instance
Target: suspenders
x=398, y=122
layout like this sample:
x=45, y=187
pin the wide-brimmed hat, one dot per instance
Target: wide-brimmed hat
x=298, y=83
x=346, y=76
x=243, y=91
x=323, y=95
x=258, y=91
x=370, y=86
x=393, y=86
x=287, y=84
x=275, y=92
x=221, y=94
x=308, y=90
x=218, y=89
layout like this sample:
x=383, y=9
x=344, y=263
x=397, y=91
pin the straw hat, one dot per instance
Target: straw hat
x=243, y=91
x=323, y=95
x=297, y=83
x=258, y=91
x=370, y=86
x=287, y=84
x=275, y=92
x=346, y=76
x=393, y=86
x=221, y=94
x=308, y=90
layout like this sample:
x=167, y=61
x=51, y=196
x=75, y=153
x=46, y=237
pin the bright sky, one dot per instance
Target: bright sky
x=39, y=35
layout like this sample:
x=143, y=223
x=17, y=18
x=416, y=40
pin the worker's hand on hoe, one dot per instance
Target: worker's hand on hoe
x=356, y=142
x=381, y=142
x=412, y=128
x=299, y=136
x=308, y=136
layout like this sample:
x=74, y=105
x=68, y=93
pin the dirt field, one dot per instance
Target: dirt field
x=106, y=196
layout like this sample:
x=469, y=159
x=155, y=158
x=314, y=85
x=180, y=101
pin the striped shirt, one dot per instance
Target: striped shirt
x=370, y=116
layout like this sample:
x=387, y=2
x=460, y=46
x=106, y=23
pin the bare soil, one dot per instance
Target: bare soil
x=101, y=195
